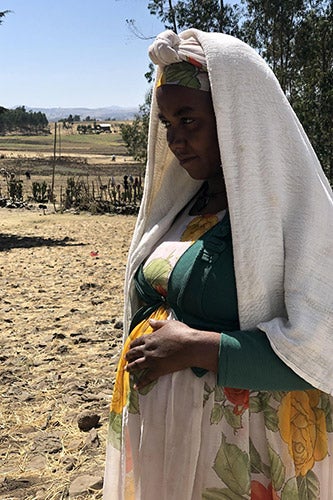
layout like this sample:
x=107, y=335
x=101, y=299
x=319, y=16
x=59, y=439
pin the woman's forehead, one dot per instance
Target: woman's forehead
x=176, y=99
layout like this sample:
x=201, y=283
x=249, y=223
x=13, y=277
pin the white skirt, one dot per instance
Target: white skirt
x=185, y=438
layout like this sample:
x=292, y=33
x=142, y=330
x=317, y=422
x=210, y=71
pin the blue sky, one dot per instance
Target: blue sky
x=73, y=53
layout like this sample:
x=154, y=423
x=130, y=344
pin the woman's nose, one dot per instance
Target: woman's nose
x=175, y=137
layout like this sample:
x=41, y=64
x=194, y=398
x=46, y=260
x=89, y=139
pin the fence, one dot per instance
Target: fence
x=80, y=193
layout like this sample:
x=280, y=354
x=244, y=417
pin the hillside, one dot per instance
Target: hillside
x=109, y=112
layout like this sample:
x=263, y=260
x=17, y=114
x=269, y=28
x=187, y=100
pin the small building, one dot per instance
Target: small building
x=103, y=127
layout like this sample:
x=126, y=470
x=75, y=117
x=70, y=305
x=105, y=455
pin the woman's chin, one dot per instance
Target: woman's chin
x=194, y=174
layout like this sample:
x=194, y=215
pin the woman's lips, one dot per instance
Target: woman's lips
x=183, y=161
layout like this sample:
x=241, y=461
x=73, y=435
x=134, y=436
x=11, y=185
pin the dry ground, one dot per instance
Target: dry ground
x=61, y=301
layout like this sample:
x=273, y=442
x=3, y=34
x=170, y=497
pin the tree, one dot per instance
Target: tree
x=270, y=27
x=295, y=38
x=135, y=134
x=311, y=94
x=167, y=15
x=22, y=121
x=207, y=15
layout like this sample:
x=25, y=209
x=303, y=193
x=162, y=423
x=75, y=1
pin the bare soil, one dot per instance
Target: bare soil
x=61, y=301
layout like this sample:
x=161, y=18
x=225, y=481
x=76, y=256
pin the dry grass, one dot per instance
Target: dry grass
x=58, y=345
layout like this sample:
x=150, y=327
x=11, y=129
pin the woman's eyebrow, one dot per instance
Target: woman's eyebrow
x=183, y=111
x=180, y=112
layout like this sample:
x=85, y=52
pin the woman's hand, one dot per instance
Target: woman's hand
x=173, y=346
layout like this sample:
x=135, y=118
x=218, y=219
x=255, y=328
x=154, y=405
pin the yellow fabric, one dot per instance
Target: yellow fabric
x=122, y=383
x=303, y=427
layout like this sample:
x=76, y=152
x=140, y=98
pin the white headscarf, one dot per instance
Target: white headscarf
x=280, y=205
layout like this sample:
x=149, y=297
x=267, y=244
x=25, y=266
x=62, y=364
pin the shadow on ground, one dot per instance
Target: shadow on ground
x=11, y=241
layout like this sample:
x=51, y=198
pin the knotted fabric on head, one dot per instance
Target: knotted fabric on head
x=169, y=48
x=182, y=62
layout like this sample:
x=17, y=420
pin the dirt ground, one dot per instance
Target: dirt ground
x=61, y=298
x=92, y=159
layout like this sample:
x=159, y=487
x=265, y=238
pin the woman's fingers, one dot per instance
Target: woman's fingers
x=141, y=341
x=137, y=342
x=143, y=375
x=136, y=364
x=157, y=323
x=133, y=354
x=167, y=349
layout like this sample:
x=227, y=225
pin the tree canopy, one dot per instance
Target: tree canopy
x=135, y=134
x=207, y=15
x=23, y=122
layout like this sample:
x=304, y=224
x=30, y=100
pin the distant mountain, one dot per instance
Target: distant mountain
x=112, y=112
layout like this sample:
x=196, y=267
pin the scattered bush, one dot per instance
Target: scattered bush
x=103, y=198
x=15, y=189
x=40, y=192
x=80, y=193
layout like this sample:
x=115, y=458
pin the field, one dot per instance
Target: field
x=68, y=142
x=61, y=292
x=95, y=157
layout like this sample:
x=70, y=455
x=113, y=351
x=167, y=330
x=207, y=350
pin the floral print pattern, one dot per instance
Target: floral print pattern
x=239, y=397
x=190, y=74
x=198, y=226
x=296, y=418
x=302, y=426
x=157, y=270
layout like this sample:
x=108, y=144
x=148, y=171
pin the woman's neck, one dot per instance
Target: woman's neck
x=212, y=198
x=215, y=185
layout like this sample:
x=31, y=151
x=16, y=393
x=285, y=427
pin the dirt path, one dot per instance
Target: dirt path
x=61, y=299
x=91, y=159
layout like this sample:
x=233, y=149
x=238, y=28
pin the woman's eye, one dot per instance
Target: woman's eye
x=187, y=121
x=184, y=121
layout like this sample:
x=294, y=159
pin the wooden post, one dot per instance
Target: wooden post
x=54, y=161
x=59, y=140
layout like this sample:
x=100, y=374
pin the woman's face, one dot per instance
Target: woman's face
x=189, y=119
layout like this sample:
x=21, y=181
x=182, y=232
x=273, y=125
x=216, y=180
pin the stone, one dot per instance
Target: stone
x=88, y=286
x=25, y=396
x=96, y=302
x=103, y=322
x=37, y=462
x=85, y=484
x=60, y=336
x=49, y=443
x=92, y=439
x=62, y=349
x=87, y=420
x=69, y=463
